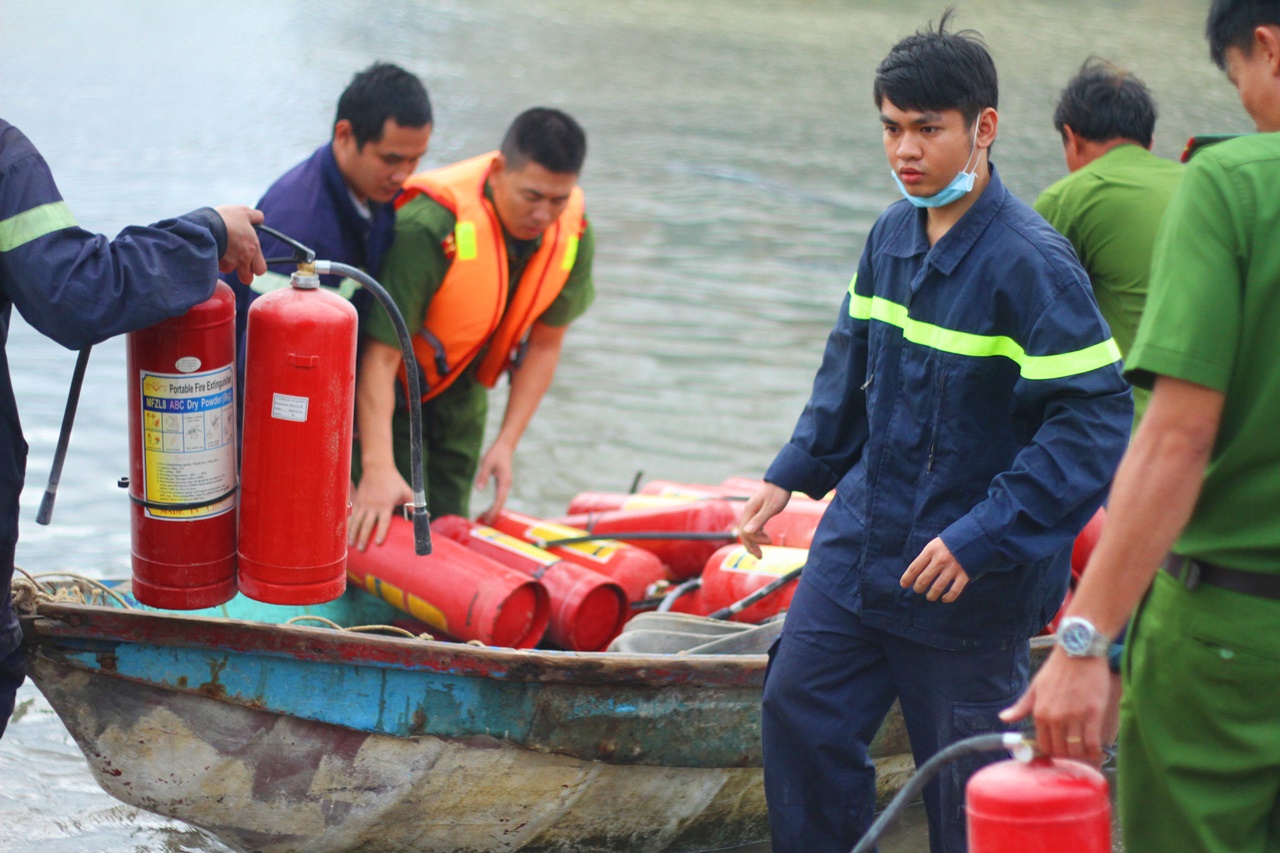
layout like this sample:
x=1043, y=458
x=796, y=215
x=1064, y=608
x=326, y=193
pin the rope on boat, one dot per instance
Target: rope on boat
x=361, y=629
x=30, y=591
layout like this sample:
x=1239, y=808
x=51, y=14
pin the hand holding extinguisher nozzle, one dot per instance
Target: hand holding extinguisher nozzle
x=421, y=519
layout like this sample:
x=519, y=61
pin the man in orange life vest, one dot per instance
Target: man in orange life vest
x=490, y=264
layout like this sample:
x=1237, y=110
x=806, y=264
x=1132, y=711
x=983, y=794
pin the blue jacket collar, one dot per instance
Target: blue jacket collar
x=910, y=238
x=341, y=194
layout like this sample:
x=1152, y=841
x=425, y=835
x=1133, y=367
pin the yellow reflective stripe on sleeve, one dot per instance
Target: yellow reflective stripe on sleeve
x=34, y=223
x=465, y=236
x=982, y=346
x=570, y=253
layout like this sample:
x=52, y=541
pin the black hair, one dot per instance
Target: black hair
x=1231, y=24
x=935, y=70
x=1103, y=102
x=380, y=92
x=548, y=137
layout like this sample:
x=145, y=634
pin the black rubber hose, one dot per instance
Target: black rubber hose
x=768, y=589
x=679, y=592
x=45, y=514
x=421, y=520
x=644, y=535
x=1005, y=741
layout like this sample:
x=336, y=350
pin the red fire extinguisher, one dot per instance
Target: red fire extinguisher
x=1042, y=806
x=299, y=401
x=1026, y=804
x=182, y=456
x=456, y=590
x=732, y=574
x=588, y=609
x=636, y=570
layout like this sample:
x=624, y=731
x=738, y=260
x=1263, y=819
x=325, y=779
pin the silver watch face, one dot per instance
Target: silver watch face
x=1077, y=637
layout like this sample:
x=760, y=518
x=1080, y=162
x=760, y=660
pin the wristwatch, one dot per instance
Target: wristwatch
x=1079, y=639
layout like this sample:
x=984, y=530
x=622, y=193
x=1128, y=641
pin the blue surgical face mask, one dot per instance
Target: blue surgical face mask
x=960, y=184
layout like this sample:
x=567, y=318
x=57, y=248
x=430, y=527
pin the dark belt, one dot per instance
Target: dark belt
x=1191, y=573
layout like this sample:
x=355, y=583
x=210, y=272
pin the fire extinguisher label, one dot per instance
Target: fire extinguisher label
x=774, y=560
x=285, y=407
x=189, y=446
x=601, y=550
x=515, y=546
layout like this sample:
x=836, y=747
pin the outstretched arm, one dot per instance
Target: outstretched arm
x=529, y=385
x=381, y=488
x=1155, y=492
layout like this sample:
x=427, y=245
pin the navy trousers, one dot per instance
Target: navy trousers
x=830, y=683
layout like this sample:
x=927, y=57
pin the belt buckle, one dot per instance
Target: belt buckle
x=1191, y=574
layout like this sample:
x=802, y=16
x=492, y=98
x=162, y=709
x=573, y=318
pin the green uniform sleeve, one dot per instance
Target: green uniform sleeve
x=579, y=291
x=413, y=268
x=1190, y=326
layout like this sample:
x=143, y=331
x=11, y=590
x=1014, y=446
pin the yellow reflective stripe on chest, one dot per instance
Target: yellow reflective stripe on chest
x=33, y=224
x=982, y=346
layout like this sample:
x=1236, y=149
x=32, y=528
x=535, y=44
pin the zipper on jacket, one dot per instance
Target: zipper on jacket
x=871, y=373
x=937, y=420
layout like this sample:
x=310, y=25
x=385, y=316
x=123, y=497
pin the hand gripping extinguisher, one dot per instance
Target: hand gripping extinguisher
x=1026, y=804
x=298, y=406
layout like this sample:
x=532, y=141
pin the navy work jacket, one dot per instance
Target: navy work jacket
x=311, y=204
x=79, y=289
x=969, y=390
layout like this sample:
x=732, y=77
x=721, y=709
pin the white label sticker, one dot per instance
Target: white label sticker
x=288, y=408
x=187, y=364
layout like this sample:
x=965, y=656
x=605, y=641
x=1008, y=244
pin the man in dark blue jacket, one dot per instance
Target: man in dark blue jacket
x=338, y=200
x=79, y=288
x=969, y=412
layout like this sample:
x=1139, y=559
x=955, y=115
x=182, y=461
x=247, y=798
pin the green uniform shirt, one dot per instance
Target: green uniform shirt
x=1213, y=318
x=415, y=267
x=1110, y=210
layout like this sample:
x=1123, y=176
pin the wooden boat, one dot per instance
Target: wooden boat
x=283, y=737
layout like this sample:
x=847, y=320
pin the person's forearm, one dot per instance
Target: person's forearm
x=530, y=382
x=1153, y=497
x=375, y=405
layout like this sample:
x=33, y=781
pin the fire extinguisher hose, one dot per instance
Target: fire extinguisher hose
x=421, y=520
x=1013, y=742
x=45, y=514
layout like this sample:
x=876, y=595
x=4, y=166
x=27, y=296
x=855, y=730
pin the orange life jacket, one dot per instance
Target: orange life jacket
x=470, y=308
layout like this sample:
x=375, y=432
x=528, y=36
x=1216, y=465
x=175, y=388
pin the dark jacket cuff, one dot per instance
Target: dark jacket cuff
x=211, y=219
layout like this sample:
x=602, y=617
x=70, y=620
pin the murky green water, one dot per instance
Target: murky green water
x=734, y=171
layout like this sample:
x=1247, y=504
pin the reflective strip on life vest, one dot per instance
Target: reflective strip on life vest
x=570, y=252
x=982, y=346
x=464, y=235
x=34, y=223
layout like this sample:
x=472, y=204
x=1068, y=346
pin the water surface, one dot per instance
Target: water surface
x=734, y=171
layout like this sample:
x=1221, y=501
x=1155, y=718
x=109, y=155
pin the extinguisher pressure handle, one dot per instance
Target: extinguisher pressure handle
x=301, y=254
x=421, y=525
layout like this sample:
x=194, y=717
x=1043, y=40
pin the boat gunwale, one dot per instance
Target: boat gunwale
x=71, y=621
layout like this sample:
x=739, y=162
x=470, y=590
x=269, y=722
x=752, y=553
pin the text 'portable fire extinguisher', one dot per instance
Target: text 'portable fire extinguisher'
x=182, y=456
x=299, y=399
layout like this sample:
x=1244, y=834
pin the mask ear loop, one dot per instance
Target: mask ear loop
x=973, y=151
